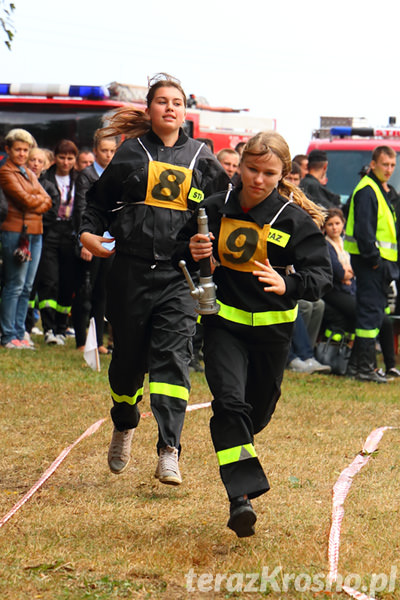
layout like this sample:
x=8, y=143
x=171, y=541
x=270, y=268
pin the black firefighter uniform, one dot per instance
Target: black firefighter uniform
x=143, y=198
x=247, y=343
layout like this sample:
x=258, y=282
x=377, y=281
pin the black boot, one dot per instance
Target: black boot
x=242, y=517
x=352, y=367
x=367, y=362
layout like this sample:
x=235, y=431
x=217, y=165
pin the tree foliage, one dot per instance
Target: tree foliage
x=6, y=21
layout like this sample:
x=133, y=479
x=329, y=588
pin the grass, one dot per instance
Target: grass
x=89, y=534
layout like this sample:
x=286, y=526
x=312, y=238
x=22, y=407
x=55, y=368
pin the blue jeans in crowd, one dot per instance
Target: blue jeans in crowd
x=300, y=346
x=18, y=281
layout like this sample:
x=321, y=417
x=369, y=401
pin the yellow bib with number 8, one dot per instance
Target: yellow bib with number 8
x=168, y=185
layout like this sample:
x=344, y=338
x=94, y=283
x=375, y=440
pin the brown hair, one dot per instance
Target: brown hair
x=134, y=122
x=271, y=142
x=334, y=212
x=383, y=150
x=66, y=147
x=295, y=168
x=99, y=137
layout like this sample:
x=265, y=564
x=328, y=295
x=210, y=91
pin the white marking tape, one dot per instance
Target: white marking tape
x=340, y=491
x=54, y=465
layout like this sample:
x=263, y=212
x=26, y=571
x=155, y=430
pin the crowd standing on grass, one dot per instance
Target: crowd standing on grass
x=100, y=231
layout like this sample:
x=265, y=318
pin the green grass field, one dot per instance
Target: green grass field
x=89, y=534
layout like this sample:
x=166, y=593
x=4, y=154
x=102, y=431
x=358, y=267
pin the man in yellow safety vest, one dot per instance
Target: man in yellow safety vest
x=371, y=240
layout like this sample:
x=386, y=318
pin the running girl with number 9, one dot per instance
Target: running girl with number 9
x=266, y=239
x=147, y=193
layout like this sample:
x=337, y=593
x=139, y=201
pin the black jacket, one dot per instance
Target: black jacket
x=116, y=201
x=304, y=247
x=49, y=218
x=50, y=175
x=84, y=181
x=318, y=193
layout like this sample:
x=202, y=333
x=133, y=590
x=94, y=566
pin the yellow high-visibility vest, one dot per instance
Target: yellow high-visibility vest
x=386, y=239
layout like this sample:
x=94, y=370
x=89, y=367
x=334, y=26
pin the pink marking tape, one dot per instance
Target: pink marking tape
x=54, y=465
x=188, y=409
x=50, y=471
x=356, y=594
x=340, y=491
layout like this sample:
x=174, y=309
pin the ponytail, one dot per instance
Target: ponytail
x=289, y=190
x=127, y=121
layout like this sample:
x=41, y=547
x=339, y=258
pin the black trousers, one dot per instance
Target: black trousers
x=56, y=278
x=90, y=297
x=152, y=317
x=340, y=315
x=245, y=380
x=371, y=295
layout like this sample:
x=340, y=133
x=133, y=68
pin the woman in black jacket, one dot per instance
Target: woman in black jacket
x=147, y=193
x=56, y=274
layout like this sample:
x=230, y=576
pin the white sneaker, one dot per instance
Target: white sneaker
x=313, y=366
x=119, y=452
x=27, y=338
x=13, y=345
x=60, y=339
x=167, y=470
x=26, y=345
x=36, y=331
x=297, y=365
x=49, y=337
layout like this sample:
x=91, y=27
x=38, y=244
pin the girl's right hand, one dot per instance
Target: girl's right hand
x=200, y=246
x=93, y=243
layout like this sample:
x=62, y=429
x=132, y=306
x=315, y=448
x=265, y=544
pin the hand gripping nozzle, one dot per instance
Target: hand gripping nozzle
x=205, y=292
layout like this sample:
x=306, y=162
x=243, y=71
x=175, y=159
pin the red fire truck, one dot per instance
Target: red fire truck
x=52, y=112
x=349, y=143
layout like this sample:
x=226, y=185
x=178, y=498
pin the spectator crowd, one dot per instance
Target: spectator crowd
x=48, y=275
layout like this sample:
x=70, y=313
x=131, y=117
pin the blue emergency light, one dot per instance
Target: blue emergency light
x=343, y=131
x=95, y=92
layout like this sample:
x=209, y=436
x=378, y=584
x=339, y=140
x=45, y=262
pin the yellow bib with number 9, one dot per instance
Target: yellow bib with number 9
x=168, y=185
x=241, y=243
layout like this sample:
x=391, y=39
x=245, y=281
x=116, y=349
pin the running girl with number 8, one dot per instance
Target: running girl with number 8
x=266, y=239
x=147, y=193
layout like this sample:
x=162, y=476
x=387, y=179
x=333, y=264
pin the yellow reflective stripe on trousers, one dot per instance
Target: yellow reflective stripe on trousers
x=367, y=333
x=65, y=310
x=168, y=389
x=48, y=304
x=270, y=317
x=128, y=399
x=236, y=454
